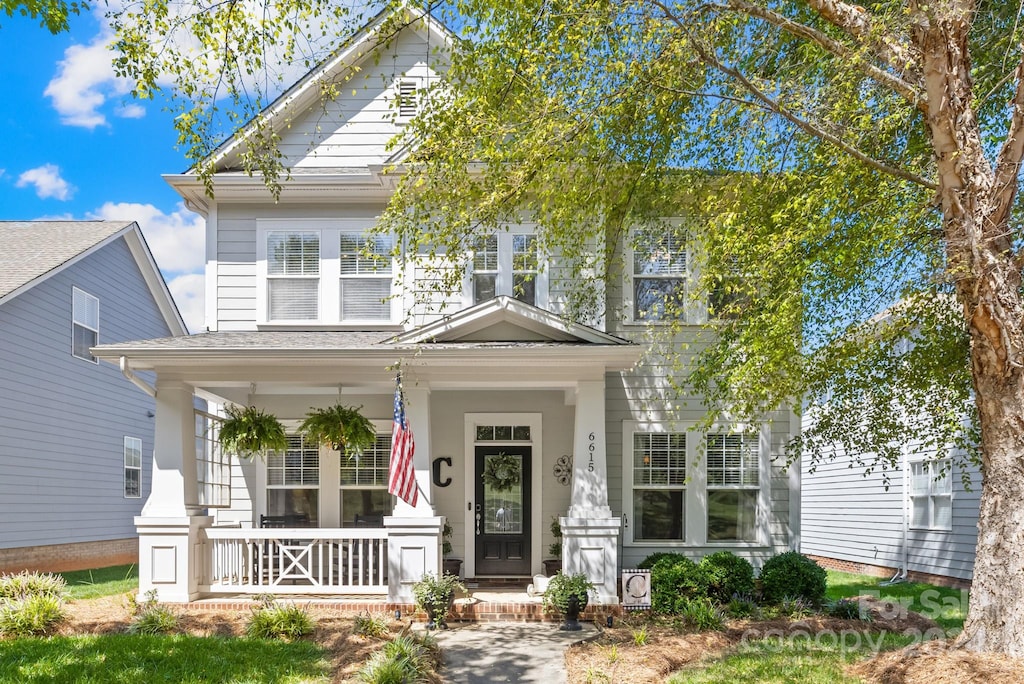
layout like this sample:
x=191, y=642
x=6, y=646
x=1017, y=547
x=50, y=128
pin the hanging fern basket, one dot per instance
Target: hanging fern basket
x=502, y=472
x=342, y=428
x=248, y=431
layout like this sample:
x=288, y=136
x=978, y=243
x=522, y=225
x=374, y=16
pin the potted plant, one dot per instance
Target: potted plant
x=553, y=565
x=248, y=431
x=568, y=595
x=342, y=428
x=435, y=595
x=450, y=566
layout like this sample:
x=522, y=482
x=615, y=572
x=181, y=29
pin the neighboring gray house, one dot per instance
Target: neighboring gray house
x=497, y=380
x=76, y=437
x=922, y=527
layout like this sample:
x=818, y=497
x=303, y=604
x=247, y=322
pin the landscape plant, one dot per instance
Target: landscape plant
x=151, y=617
x=435, y=594
x=342, y=428
x=249, y=431
x=31, y=603
x=727, y=575
x=676, y=579
x=563, y=587
x=271, y=620
x=792, y=575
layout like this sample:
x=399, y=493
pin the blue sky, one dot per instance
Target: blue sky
x=77, y=146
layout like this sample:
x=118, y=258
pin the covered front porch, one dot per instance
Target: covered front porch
x=504, y=380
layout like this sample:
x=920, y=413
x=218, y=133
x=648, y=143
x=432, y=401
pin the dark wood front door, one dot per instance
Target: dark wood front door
x=502, y=516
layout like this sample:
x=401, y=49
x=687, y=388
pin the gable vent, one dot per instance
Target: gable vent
x=407, y=104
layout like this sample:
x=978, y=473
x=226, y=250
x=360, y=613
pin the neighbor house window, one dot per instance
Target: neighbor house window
x=293, y=483
x=365, y=277
x=132, y=467
x=659, y=486
x=85, y=327
x=931, y=495
x=733, y=484
x=660, y=275
x=364, y=479
x=508, y=263
x=293, y=275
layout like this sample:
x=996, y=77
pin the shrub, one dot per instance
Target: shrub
x=700, y=613
x=727, y=575
x=563, y=586
x=279, y=622
x=149, y=617
x=675, y=577
x=30, y=616
x=846, y=609
x=375, y=625
x=794, y=575
x=25, y=584
x=404, y=659
x=434, y=595
x=648, y=563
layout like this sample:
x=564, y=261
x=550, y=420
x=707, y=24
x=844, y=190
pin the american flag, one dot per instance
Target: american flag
x=401, y=474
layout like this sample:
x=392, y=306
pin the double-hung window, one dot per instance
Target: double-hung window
x=507, y=263
x=931, y=495
x=132, y=467
x=366, y=274
x=364, y=498
x=293, y=275
x=293, y=483
x=85, y=326
x=733, y=485
x=660, y=274
x=659, y=486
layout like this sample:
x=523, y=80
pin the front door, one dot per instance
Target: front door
x=502, y=517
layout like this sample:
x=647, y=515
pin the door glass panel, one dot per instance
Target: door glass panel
x=503, y=494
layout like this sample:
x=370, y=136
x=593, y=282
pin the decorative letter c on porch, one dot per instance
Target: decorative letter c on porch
x=437, y=471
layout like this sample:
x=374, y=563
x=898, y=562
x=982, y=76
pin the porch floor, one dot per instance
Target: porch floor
x=487, y=600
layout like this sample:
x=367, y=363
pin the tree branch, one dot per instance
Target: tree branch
x=1008, y=162
x=898, y=85
x=855, y=21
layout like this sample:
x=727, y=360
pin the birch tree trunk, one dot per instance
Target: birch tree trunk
x=976, y=197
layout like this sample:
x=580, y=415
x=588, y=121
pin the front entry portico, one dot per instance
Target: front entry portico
x=200, y=532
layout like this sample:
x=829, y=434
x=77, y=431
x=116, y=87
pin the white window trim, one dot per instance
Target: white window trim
x=330, y=273
x=931, y=465
x=503, y=282
x=127, y=467
x=696, y=486
x=75, y=321
x=695, y=311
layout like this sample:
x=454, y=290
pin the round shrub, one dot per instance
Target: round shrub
x=648, y=563
x=727, y=575
x=792, y=575
x=675, y=578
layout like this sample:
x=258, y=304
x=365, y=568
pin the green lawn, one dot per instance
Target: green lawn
x=820, y=659
x=131, y=659
x=87, y=584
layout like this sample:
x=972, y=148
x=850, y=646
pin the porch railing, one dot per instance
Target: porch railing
x=295, y=561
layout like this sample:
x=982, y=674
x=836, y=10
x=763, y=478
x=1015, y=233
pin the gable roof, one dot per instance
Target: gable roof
x=36, y=250
x=306, y=91
x=505, y=319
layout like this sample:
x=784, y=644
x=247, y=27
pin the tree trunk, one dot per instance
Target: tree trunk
x=982, y=264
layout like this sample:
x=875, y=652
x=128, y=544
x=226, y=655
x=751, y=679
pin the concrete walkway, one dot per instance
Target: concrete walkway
x=507, y=652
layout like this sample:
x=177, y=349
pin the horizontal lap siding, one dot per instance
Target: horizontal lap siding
x=63, y=420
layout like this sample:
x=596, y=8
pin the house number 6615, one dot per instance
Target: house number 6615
x=591, y=447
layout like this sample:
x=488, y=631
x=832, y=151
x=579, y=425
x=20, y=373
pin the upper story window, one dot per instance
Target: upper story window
x=293, y=275
x=508, y=263
x=366, y=275
x=326, y=272
x=660, y=275
x=85, y=327
x=931, y=495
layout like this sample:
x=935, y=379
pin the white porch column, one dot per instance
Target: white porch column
x=170, y=546
x=590, y=533
x=414, y=532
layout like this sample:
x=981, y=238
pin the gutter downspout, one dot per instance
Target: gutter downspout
x=135, y=379
x=904, y=571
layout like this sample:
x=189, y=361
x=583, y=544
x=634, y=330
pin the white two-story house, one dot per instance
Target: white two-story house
x=299, y=315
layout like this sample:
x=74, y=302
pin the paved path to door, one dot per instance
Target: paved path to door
x=507, y=652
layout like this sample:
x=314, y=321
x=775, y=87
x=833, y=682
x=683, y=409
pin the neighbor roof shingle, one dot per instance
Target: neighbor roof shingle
x=30, y=249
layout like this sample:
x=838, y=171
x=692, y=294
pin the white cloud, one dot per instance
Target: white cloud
x=85, y=80
x=47, y=182
x=177, y=240
x=131, y=111
x=187, y=291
